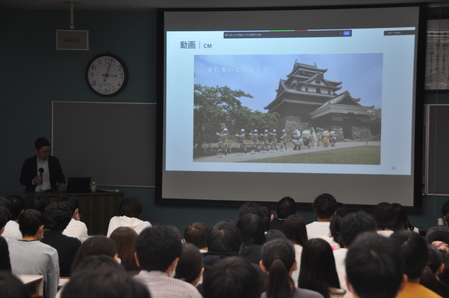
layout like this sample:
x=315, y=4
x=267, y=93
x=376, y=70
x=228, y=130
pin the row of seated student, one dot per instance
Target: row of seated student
x=342, y=254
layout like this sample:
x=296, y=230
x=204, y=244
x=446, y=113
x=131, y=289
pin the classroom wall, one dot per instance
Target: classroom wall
x=33, y=74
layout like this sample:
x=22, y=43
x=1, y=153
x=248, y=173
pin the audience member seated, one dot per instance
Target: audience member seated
x=278, y=261
x=56, y=218
x=253, y=237
x=5, y=264
x=158, y=249
x=76, y=228
x=402, y=222
x=96, y=246
x=351, y=226
x=439, y=237
x=250, y=208
x=430, y=276
x=125, y=238
x=374, y=267
x=232, y=277
x=334, y=226
x=12, y=231
x=40, y=203
x=385, y=216
x=224, y=241
x=101, y=276
x=318, y=271
x=284, y=208
x=413, y=249
x=190, y=265
x=196, y=234
x=274, y=234
x=294, y=229
x=268, y=216
x=324, y=208
x=31, y=256
x=128, y=214
x=12, y=287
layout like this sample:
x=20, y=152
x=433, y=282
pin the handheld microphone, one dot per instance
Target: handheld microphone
x=41, y=172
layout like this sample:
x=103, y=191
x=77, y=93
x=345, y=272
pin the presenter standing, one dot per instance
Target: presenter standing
x=42, y=172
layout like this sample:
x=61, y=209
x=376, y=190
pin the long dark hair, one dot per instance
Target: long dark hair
x=318, y=272
x=294, y=229
x=278, y=257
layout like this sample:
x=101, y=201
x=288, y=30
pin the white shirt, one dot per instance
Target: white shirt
x=318, y=229
x=77, y=229
x=295, y=274
x=124, y=221
x=385, y=233
x=45, y=176
x=340, y=256
x=12, y=231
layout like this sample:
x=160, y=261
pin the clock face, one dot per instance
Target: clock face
x=106, y=75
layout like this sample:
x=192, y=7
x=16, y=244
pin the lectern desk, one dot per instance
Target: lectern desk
x=96, y=208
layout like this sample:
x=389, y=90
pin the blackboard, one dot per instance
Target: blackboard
x=437, y=150
x=114, y=143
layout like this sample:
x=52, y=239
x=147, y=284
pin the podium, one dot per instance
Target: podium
x=96, y=208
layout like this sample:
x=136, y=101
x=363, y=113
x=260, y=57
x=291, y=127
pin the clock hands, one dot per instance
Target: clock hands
x=107, y=71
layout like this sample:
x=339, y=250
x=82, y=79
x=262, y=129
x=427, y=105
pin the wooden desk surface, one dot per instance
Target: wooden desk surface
x=34, y=282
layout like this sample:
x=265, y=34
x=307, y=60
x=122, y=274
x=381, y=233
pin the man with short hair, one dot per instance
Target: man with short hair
x=42, y=171
x=374, y=267
x=284, y=208
x=12, y=231
x=352, y=225
x=324, y=208
x=56, y=218
x=76, y=228
x=413, y=249
x=31, y=256
x=158, y=249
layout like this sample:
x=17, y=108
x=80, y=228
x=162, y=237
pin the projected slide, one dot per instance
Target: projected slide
x=290, y=101
x=277, y=108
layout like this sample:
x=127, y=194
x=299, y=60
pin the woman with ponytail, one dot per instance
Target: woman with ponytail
x=278, y=261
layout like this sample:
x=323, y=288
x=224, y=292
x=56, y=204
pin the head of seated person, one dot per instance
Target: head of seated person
x=125, y=238
x=325, y=207
x=40, y=203
x=232, y=277
x=196, y=234
x=17, y=206
x=374, y=267
x=354, y=224
x=294, y=229
x=224, y=237
x=102, y=276
x=31, y=224
x=130, y=207
x=95, y=246
x=385, y=216
x=285, y=207
x=158, y=249
x=73, y=202
x=57, y=216
x=190, y=264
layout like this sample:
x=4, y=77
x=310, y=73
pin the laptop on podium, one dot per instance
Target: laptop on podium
x=78, y=184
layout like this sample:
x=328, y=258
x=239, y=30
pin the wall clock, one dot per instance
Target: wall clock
x=106, y=75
